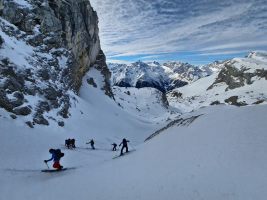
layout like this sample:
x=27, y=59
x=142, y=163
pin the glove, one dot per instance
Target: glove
x=45, y=161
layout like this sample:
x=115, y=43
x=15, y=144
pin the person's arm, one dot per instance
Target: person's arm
x=120, y=144
x=50, y=159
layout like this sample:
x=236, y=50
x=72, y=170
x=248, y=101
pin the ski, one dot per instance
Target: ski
x=123, y=154
x=56, y=170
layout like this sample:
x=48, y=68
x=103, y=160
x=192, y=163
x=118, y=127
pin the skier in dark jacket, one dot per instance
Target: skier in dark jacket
x=56, y=156
x=72, y=142
x=114, y=147
x=124, y=144
x=68, y=143
x=92, y=143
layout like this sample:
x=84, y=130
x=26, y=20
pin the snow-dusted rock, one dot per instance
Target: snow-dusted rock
x=241, y=81
x=46, y=47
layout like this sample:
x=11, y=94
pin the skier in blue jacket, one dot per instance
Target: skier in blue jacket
x=56, y=156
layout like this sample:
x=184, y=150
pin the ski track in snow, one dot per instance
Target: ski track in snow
x=219, y=156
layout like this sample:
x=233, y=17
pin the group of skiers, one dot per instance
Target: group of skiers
x=124, y=144
x=70, y=143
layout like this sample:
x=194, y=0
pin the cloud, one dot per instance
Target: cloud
x=136, y=27
x=119, y=61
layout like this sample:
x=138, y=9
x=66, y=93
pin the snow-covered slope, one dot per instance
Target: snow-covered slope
x=163, y=77
x=94, y=115
x=140, y=100
x=147, y=103
x=218, y=156
x=242, y=81
x=53, y=72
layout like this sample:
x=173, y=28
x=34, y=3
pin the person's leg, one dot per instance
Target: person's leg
x=126, y=149
x=56, y=165
x=122, y=150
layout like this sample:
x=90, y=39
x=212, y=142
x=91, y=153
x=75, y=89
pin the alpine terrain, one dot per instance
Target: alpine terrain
x=193, y=132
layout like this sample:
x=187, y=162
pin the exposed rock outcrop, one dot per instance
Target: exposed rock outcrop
x=240, y=82
x=56, y=42
x=236, y=77
x=234, y=101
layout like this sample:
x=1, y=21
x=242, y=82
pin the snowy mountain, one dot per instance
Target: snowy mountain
x=44, y=56
x=184, y=144
x=45, y=51
x=185, y=71
x=163, y=77
x=241, y=81
x=212, y=67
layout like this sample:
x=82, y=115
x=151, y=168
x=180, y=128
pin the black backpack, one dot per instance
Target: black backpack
x=59, y=154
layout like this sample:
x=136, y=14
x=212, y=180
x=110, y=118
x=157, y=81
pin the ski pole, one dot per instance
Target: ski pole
x=47, y=165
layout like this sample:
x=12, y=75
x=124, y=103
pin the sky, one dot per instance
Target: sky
x=194, y=31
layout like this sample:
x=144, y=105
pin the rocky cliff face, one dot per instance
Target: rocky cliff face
x=47, y=46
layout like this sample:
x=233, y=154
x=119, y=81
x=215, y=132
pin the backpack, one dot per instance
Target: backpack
x=58, y=153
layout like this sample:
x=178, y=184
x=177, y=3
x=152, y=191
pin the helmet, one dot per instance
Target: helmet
x=51, y=150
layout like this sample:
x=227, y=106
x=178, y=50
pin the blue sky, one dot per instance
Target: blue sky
x=190, y=57
x=194, y=31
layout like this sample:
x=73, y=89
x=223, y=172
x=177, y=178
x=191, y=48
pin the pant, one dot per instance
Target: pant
x=123, y=148
x=57, y=165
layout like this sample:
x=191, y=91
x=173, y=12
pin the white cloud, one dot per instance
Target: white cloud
x=134, y=27
x=118, y=61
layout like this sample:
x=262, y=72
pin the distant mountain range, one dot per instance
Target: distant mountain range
x=238, y=81
x=164, y=77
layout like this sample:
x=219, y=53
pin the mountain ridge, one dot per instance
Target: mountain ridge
x=163, y=77
x=240, y=82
